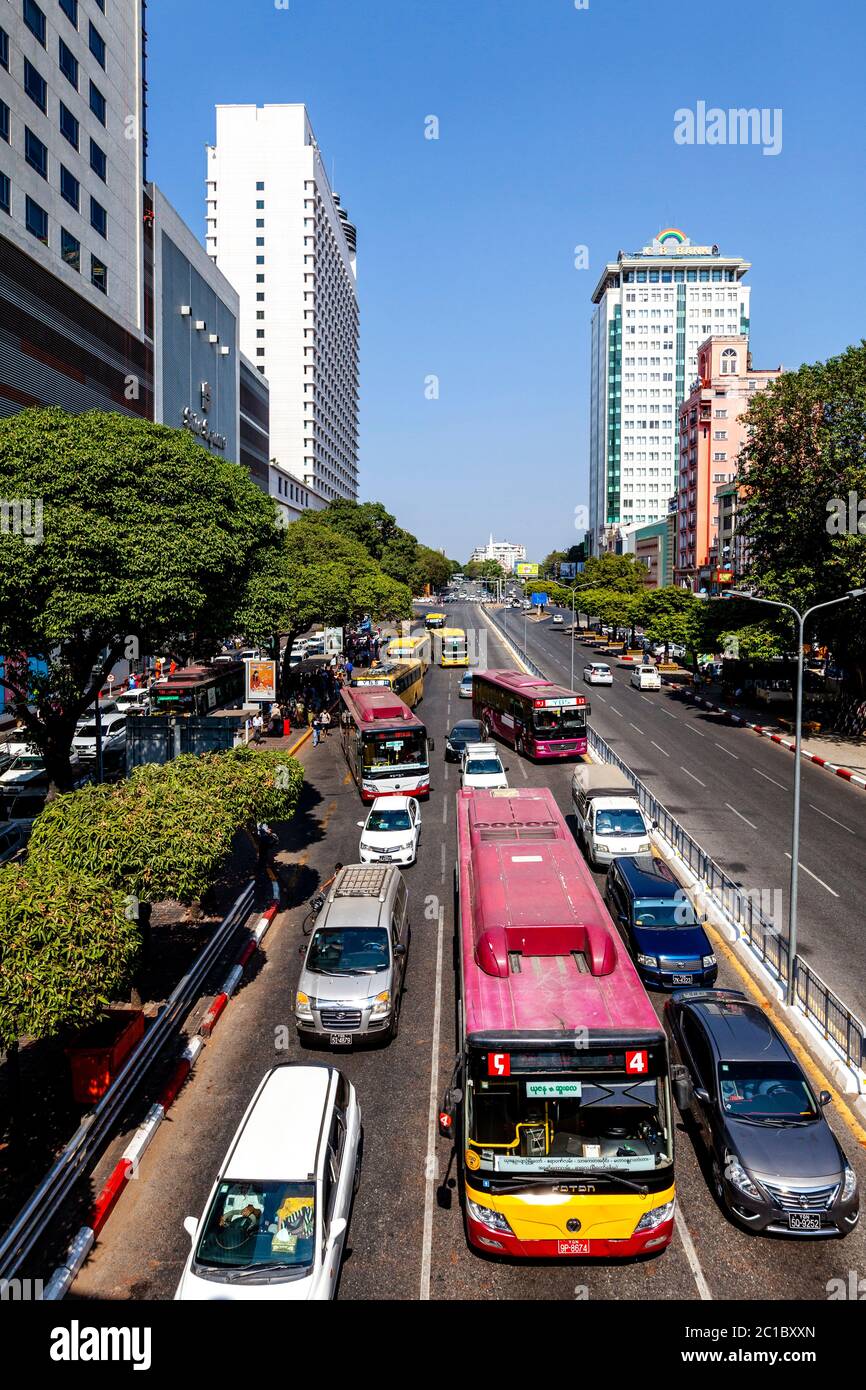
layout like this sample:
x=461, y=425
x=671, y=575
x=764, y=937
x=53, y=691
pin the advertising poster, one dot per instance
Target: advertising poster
x=261, y=680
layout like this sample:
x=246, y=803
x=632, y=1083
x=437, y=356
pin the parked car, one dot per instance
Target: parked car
x=464, y=690
x=646, y=678
x=351, y=982
x=113, y=736
x=657, y=918
x=13, y=837
x=598, y=673
x=464, y=732
x=481, y=766
x=390, y=833
x=276, y=1218
x=776, y=1164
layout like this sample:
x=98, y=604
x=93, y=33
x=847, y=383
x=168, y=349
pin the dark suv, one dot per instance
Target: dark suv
x=662, y=930
x=776, y=1164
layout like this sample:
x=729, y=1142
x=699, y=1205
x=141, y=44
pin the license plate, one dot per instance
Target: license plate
x=572, y=1247
x=683, y=979
x=804, y=1221
x=340, y=1039
x=385, y=858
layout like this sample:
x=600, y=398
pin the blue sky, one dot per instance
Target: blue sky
x=555, y=130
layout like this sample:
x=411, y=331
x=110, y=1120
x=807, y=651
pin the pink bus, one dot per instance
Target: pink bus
x=560, y=1104
x=385, y=744
x=540, y=719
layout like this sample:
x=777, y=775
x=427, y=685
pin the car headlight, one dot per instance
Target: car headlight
x=651, y=961
x=493, y=1220
x=381, y=1005
x=303, y=1006
x=708, y=961
x=849, y=1186
x=657, y=1217
x=738, y=1177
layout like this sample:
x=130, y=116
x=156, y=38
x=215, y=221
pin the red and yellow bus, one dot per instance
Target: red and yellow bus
x=560, y=1105
x=540, y=719
x=385, y=744
x=405, y=678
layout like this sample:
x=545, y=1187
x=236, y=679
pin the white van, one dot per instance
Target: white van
x=133, y=702
x=481, y=766
x=646, y=678
x=609, y=819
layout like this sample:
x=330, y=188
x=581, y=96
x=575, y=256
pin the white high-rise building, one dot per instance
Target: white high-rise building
x=279, y=235
x=505, y=553
x=653, y=310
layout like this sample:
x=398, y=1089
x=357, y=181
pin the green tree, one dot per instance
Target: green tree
x=368, y=523
x=148, y=542
x=672, y=615
x=620, y=572
x=431, y=567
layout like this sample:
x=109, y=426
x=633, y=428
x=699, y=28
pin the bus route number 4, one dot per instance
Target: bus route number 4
x=499, y=1064
x=636, y=1063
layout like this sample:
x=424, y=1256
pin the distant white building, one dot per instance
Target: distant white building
x=503, y=552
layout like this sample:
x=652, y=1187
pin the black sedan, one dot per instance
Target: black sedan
x=776, y=1164
x=465, y=731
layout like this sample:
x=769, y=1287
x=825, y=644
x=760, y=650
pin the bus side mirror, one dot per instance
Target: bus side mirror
x=453, y=1097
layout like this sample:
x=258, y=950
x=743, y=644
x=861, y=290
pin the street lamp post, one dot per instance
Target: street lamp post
x=798, y=738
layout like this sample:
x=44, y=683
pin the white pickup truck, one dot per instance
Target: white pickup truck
x=609, y=819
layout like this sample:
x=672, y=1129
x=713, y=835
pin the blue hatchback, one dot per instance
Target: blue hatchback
x=663, y=933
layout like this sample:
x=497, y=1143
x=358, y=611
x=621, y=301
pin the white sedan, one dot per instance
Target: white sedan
x=390, y=833
x=597, y=673
x=557, y=619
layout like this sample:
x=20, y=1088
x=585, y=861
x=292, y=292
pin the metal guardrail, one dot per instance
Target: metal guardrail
x=743, y=907
x=41, y=1209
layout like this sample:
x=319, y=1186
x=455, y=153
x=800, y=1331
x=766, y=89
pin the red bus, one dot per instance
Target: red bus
x=199, y=689
x=385, y=744
x=540, y=719
x=560, y=1104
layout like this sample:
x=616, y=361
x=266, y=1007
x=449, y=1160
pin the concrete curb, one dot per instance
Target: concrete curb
x=837, y=771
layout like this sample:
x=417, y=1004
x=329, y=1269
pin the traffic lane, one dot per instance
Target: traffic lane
x=672, y=745
x=143, y=1247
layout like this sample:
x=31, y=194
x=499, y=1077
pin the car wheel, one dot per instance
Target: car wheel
x=520, y=747
x=718, y=1185
x=395, y=1021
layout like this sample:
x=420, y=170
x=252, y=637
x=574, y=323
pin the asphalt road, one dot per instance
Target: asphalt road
x=403, y=1243
x=733, y=792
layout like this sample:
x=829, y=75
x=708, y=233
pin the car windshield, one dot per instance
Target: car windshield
x=253, y=1225
x=348, y=950
x=483, y=765
x=559, y=723
x=26, y=762
x=767, y=1092
x=86, y=731
x=465, y=733
x=382, y=821
x=623, y=822
x=666, y=912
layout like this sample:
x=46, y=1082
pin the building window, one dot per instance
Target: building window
x=35, y=153
x=4, y=122
x=34, y=85
x=260, y=352
x=101, y=4
x=260, y=369
x=68, y=125
x=5, y=193
x=260, y=296
x=260, y=313
x=729, y=362
x=260, y=260
x=97, y=160
x=69, y=187
x=97, y=45
x=68, y=64
x=36, y=221
x=260, y=204
x=99, y=274
x=260, y=279
x=97, y=103
x=260, y=221
x=4, y=49
x=70, y=249
x=98, y=218
x=260, y=241
x=34, y=18
x=70, y=9
x=260, y=332
x=260, y=188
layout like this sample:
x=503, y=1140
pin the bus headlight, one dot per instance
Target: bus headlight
x=303, y=1007
x=651, y=961
x=381, y=1005
x=708, y=961
x=486, y=1216
x=657, y=1217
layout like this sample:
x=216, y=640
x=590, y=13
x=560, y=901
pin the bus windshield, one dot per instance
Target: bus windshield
x=559, y=723
x=543, y=1123
x=395, y=749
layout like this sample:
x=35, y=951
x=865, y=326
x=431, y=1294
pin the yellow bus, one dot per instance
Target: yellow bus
x=455, y=649
x=435, y=620
x=415, y=648
x=405, y=678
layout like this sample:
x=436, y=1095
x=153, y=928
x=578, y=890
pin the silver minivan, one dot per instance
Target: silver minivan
x=354, y=965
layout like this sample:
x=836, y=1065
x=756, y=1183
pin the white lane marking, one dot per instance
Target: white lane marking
x=600, y=697
x=814, y=876
x=648, y=700
x=523, y=770
x=692, y=1255
x=656, y=745
x=616, y=711
x=442, y=848
x=447, y=770
x=832, y=818
x=771, y=779
x=669, y=714
x=432, y=1126
x=692, y=775
x=742, y=817
x=640, y=731
x=445, y=811
x=735, y=756
x=694, y=731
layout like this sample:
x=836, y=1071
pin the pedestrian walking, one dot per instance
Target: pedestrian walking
x=258, y=725
x=326, y=723
x=317, y=730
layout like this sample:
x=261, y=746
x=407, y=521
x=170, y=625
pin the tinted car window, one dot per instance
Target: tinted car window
x=700, y=1050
